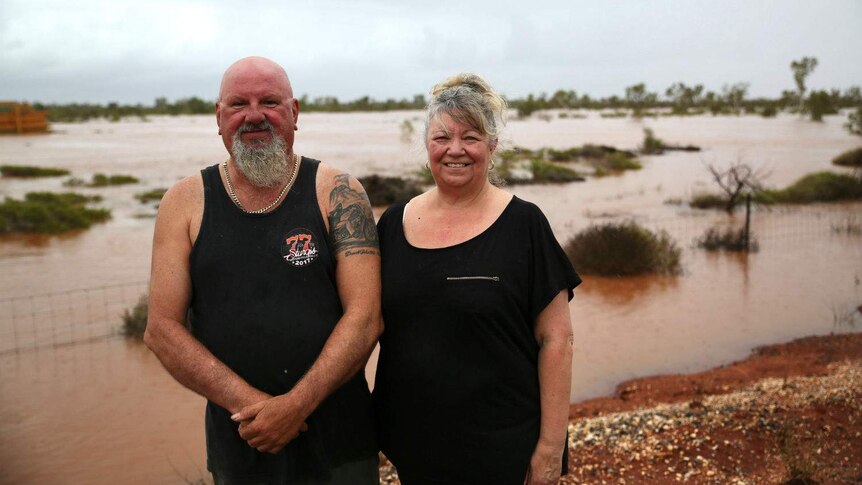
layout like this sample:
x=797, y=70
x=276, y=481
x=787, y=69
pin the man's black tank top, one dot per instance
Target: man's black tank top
x=264, y=302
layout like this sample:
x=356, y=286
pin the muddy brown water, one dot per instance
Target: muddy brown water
x=106, y=412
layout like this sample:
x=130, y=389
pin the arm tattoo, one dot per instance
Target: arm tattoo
x=351, y=223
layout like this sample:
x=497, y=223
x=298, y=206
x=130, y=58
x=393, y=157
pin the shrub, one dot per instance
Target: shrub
x=651, y=144
x=706, y=200
x=728, y=239
x=819, y=103
x=769, y=111
x=135, y=319
x=548, y=172
x=620, y=161
x=623, y=249
x=816, y=187
x=28, y=171
x=102, y=180
x=854, y=122
x=383, y=191
x=154, y=195
x=850, y=158
x=47, y=212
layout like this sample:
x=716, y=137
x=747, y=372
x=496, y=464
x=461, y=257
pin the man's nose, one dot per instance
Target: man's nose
x=254, y=114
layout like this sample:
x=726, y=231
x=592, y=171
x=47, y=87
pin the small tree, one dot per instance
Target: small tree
x=854, y=122
x=736, y=181
x=801, y=69
x=684, y=97
x=638, y=98
x=734, y=95
x=819, y=104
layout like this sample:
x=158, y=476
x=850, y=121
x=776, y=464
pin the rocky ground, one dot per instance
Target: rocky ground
x=789, y=414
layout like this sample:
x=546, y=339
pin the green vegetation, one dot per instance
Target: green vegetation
x=651, y=145
x=28, y=171
x=819, y=103
x=542, y=169
x=48, y=212
x=801, y=69
x=154, y=195
x=854, y=122
x=679, y=99
x=706, y=200
x=816, y=187
x=383, y=191
x=623, y=249
x=655, y=146
x=135, y=320
x=102, y=180
x=545, y=172
x=728, y=239
x=850, y=158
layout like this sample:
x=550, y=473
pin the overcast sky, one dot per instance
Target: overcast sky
x=101, y=51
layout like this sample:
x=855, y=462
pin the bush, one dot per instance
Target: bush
x=651, y=144
x=102, y=180
x=706, y=200
x=47, y=212
x=623, y=249
x=728, y=239
x=850, y=158
x=154, y=195
x=135, y=320
x=28, y=171
x=816, y=187
x=620, y=161
x=383, y=191
x=548, y=172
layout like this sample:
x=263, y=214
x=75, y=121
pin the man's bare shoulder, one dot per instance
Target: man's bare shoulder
x=181, y=209
x=184, y=196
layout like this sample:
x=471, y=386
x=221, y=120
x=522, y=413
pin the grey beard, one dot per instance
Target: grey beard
x=264, y=166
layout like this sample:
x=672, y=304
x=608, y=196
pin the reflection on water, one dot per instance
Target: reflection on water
x=625, y=291
x=107, y=412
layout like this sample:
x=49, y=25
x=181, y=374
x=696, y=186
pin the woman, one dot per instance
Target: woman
x=474, y=371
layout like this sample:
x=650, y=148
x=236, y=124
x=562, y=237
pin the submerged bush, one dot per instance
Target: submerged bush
x=623, y=249
x=705, y=200
x=384, y=191
x=135, y=319
x=850, y=158
x=102, y=180
x=651, y=145
x=48, y=212
x=729, y=239
x=548, y=172
x=816, y=187
x=154, y=195
x=28, y=171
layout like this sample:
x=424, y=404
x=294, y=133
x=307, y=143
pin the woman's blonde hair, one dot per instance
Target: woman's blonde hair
x=468, y=99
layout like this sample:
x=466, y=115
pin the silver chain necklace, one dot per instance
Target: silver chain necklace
x=272, y=204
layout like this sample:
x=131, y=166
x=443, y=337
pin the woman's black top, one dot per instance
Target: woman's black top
x=457, y=386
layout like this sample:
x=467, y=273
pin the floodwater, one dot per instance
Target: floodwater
x=105, y=411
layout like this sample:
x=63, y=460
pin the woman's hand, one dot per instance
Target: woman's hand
x=545, y=465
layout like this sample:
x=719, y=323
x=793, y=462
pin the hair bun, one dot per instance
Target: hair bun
x=468, y=80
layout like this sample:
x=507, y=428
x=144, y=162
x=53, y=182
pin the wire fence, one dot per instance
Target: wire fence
x=77, y=316
x=66, y=318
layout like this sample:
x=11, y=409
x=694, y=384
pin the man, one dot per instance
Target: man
x=274, y=260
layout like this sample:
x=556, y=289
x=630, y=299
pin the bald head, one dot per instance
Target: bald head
x=257, y=69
